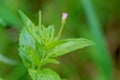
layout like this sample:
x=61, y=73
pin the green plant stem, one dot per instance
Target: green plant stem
x=39, y=21
x=60, y=31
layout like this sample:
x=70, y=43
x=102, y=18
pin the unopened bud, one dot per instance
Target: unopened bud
x=64, y=16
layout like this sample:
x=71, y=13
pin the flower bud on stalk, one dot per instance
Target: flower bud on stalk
x=64, y=16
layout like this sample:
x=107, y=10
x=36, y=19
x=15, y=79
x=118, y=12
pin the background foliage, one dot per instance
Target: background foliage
x=96, y=22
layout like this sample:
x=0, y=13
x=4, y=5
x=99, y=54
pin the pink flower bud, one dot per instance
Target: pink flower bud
x=64, y=16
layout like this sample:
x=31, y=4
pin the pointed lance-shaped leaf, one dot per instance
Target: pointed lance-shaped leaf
x=25, y=41
x=44, y=74
x=54, y=61
x=62, y=47
x=27, y=22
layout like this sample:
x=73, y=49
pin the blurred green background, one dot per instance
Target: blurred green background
x=97, y=20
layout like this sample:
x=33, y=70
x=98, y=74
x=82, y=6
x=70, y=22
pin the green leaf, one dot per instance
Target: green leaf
x=33, y=54
x=29, y=26
x=44, y=74
x=38, y=35
x=26, y=59
x=50, y=32
x=50, y=61
x=62, y=47
x=25, y=41
x=27, y=22
x=47, y=34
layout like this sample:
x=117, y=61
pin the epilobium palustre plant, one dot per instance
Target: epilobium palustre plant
x=39, y=46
